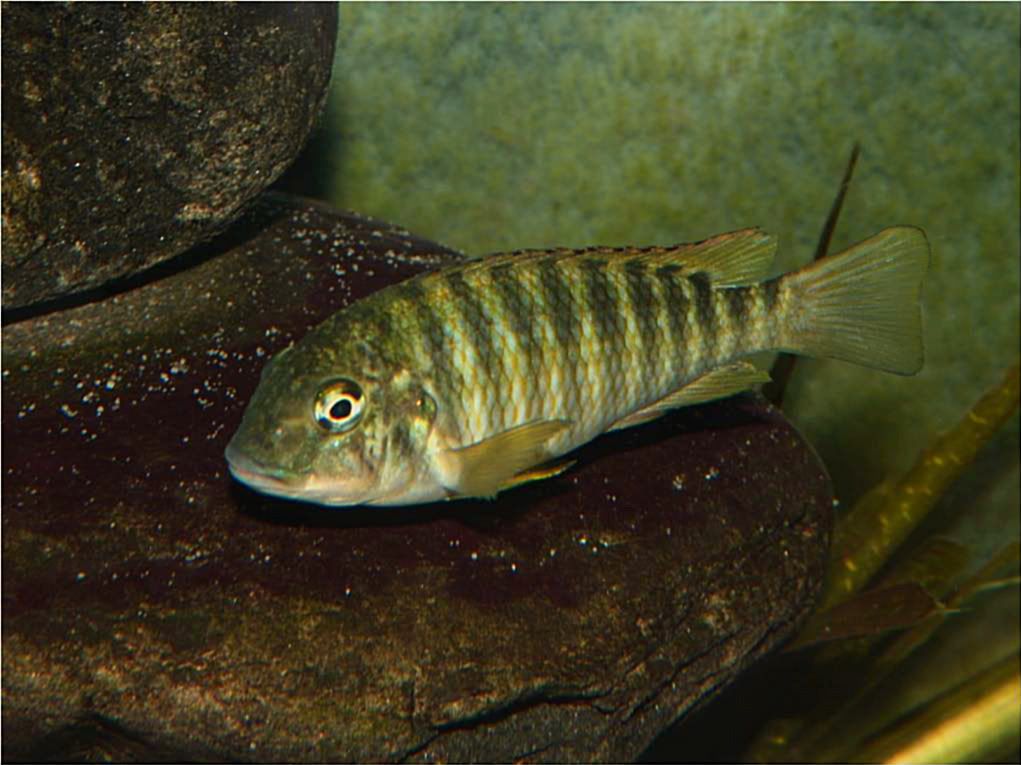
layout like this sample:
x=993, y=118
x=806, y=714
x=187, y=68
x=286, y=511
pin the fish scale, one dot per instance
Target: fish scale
x=602, y=373
x=466, y=381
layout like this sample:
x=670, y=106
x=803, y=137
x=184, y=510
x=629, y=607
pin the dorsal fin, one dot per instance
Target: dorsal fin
x=729, y=260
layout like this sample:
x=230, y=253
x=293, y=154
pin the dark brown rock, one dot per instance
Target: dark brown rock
x=572, y=619
x=132, y=131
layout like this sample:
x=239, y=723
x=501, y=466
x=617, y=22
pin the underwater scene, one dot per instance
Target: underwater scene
x=490, y=382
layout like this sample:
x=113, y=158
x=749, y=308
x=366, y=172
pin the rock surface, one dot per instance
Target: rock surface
x=155, y=610
x=130, y=132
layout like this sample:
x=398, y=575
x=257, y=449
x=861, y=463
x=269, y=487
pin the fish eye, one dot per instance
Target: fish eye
x=339, y=406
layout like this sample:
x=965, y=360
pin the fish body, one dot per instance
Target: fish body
x=469, y=380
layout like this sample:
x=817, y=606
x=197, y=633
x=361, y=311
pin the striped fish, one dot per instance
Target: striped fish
x=471, y=379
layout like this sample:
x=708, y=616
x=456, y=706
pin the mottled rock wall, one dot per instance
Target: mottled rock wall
x=133, y=131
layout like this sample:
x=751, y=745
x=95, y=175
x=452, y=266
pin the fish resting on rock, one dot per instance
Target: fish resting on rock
x=471, y=379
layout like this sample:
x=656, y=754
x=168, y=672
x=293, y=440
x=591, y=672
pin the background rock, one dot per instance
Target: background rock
x=130, y=132
x=154, y=610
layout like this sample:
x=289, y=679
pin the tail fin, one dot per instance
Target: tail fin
x=861, y=305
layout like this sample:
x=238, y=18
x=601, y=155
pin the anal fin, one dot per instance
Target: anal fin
x=719, y=383
x=504, y=460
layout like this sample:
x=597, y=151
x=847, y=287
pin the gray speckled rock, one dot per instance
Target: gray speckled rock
x=154, y=610
x=130, y=132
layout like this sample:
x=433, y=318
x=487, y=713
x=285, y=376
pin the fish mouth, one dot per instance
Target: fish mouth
x=275, y=481
x=304, y=487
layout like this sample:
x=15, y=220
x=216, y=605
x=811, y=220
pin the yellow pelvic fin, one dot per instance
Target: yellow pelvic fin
x=719, y=383
x=496, y=462
x=538, y=473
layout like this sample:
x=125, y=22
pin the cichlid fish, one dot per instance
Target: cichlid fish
x=469, y=380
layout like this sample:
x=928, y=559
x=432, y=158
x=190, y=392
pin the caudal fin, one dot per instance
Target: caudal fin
x=861, y=305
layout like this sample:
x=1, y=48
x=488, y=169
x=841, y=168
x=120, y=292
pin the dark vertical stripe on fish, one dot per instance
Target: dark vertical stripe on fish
x=478, y=327
x=676, y=307
x=770, y=295
x=518, y=312
x=562, y=311
x=431, y=327
x=645, y=304
x=707, y=321
x=605, y=309
x=735, y=312
x=738, y=301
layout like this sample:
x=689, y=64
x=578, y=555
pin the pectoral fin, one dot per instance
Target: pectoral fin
x=720, y=383
x=503, y=460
